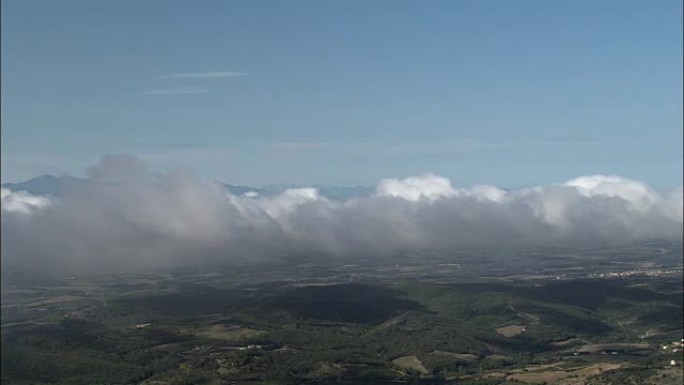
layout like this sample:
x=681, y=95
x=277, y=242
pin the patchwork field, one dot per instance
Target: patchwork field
x=310, y=325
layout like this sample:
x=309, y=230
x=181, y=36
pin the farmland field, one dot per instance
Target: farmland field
x=327, y=324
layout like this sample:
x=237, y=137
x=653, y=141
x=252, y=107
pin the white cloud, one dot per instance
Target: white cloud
x=284, y=203
x=487, y=192
x=638, y=194
x=21, y=201
x=428, y=186
x=177, y=91
x=672, y=204
x=400, y=148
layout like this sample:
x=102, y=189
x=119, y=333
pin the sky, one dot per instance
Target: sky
x=346, y=92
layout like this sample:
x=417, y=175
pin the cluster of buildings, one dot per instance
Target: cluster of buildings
x=674, y=347
x=648, y=273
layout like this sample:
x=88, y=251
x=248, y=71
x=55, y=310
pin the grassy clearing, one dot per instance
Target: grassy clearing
x=511, y=330
x=568, y=342
x=597, y=348
x=458, y=356
x=224, y=332
x=548, y=374
x=410, y=362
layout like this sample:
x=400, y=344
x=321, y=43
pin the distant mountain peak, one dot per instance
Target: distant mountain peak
x=42, y=185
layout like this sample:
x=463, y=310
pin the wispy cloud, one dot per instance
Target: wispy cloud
x=190, y=157
x=178, y=145
x=177, y=91
x=460, y=146
x=384, y=148
x=205, y=75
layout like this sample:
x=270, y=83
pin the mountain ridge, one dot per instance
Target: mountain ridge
x=54, y=186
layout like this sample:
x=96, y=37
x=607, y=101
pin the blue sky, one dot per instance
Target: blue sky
x=511, y=93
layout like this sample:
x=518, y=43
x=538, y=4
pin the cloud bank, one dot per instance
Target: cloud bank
x=127, y=217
